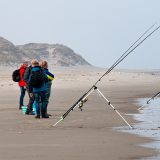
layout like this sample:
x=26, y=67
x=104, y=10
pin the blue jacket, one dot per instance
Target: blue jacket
x=43, y=86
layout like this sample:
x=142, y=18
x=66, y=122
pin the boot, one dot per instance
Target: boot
x=47, y=114
x=44, y=115
x=37, y=116
x=29, y=112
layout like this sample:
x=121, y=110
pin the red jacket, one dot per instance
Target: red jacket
x=21, y=83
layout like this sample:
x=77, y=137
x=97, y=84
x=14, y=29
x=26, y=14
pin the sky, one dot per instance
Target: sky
x=99, y=30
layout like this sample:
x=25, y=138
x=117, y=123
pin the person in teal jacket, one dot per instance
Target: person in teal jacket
x=50, y=76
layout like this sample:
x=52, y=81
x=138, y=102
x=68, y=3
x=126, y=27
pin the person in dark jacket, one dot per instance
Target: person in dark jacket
x=26, y=79
x=38, y=91
x=22, y=84
x=50, y=76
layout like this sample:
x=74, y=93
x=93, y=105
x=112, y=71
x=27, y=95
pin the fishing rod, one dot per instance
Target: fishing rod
x=82, y=99
x=152, y=98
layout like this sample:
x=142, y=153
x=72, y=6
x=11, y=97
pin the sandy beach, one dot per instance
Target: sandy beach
x=86, y=135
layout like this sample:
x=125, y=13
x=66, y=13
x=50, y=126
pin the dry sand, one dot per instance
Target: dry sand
x=86, y=135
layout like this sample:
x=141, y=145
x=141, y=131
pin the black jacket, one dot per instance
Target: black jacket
x=26, y=75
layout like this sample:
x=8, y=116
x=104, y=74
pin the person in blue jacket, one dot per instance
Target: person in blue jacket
x=37, y=89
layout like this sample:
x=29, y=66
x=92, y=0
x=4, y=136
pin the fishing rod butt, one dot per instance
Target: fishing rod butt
x=139, y=108
x=131, y=127
x=60, y=120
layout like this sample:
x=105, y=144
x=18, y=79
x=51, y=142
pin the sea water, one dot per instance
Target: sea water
x=148, y=125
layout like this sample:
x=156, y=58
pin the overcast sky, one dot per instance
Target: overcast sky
x=99, y=30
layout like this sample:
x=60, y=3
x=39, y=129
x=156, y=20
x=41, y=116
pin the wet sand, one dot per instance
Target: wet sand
x=87, y=135
x=149, y=123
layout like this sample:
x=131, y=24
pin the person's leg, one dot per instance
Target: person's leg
x=37, y=97
x=47, y=96
x=43, y=106
x=22, y=94
x=30, y=103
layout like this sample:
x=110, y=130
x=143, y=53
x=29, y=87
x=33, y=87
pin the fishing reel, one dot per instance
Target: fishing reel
x=81, y=103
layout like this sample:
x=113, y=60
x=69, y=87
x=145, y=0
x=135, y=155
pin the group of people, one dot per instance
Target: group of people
x=36, y=80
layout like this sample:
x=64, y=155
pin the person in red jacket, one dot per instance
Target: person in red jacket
x=22, y=84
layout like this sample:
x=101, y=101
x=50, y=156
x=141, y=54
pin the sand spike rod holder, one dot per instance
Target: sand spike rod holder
x=83, y=98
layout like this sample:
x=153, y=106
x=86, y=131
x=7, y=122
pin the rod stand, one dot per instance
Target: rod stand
x=85, y=99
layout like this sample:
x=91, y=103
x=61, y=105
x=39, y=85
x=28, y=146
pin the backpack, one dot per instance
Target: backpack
x=36, y=79
x=16, y=76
